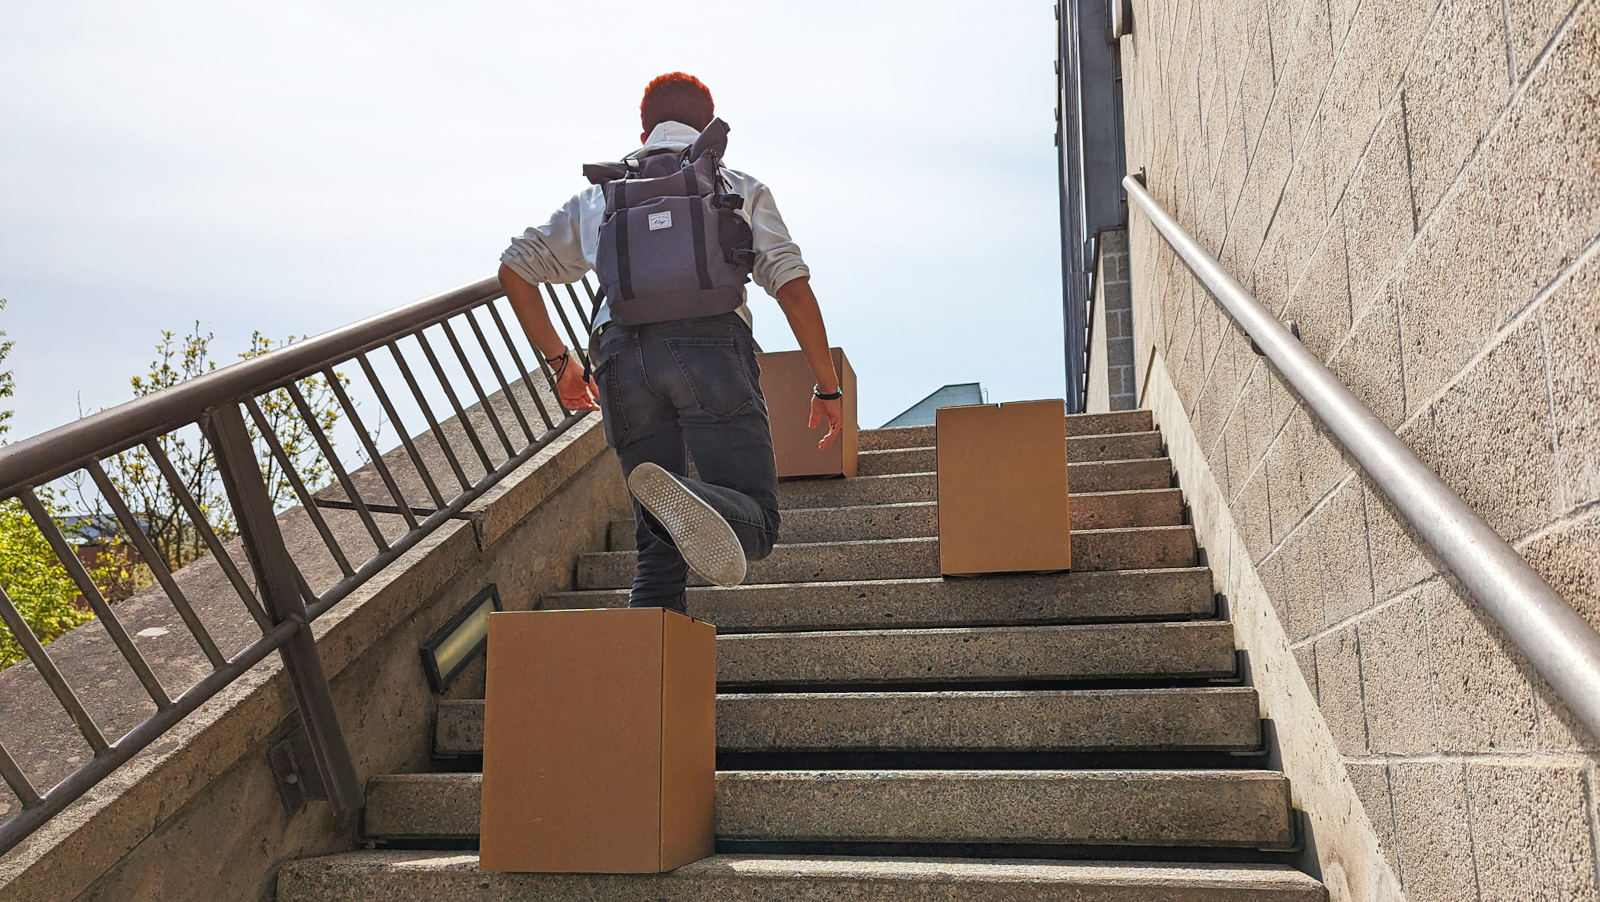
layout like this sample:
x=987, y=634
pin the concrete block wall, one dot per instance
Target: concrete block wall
x=1112, y=383
x=1417, y=184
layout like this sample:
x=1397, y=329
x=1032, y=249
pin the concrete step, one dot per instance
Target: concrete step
x=1076, y=424
x=920, y=519
x=1077, y=597
x=1099, y=476
x=1145, y=808
x=1148, y=547
x=1224, y=718
x=1234, y=808
x=1080, y=449
x=426, y=876
x=990, y=654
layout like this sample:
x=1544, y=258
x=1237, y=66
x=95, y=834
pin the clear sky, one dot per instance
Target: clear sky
x=292, y=166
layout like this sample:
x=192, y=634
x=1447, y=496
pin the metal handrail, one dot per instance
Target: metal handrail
x=282, y=603
x=1556, y=640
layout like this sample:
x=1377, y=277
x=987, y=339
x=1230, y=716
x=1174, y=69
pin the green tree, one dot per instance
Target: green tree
x=29, y=573
x=35, y=582
x=156, y=504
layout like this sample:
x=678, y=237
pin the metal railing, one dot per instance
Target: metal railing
x=1556, y=640
x=514, y=416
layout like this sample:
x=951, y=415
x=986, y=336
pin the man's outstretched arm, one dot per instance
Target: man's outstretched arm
x=805, y=318
x=575, y=392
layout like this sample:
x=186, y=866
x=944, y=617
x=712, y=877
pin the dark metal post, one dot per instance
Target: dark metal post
x=1105, y=205
x=276, y=578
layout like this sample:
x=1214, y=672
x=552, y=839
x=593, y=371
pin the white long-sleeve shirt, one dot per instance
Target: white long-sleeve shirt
x=563, y=249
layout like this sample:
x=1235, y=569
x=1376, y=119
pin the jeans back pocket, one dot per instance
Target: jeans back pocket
x=716, y=373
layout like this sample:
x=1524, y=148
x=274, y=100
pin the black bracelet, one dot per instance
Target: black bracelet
x=563, y=357
x=831, y=396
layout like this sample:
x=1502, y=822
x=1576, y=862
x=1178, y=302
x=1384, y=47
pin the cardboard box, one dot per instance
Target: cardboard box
x=1002, y=479
x=599, y=746
x=787, y=382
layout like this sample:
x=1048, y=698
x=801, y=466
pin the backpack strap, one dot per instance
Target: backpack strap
x=697, y=227
x=624, y=269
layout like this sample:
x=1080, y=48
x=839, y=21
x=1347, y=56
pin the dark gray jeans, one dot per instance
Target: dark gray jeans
x=681, y=390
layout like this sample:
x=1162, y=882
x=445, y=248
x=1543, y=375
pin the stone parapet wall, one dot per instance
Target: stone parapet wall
x=1417, y=184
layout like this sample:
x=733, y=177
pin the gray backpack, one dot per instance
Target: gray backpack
x=672, y=243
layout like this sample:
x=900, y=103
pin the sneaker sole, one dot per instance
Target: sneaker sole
x=703, y=537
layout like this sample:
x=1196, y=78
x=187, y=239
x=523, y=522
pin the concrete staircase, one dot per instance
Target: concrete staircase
x=883, y=733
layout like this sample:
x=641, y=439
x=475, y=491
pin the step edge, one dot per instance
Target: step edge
x=1007, y=870
x=1200, y=775
x=1147, y=626
x=1194, y=572
x=1226, y=691
x=843, y=480
x=908, y=540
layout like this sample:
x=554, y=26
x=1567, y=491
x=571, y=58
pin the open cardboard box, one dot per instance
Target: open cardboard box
x=599, y=749
x=787, y=384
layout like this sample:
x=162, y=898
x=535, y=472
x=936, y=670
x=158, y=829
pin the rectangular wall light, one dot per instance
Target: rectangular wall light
x=463, y=637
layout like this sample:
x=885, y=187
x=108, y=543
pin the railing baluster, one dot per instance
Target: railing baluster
x=68, y=557
x=349, y=486
x=371, y=447
x=594, y=297
x=477, y=387
x=583, y=314
x=494, y=366
x=307, y=501
x=427, y=414
x=580, y=349
x=158, y=567
x=20, y=785
x=516, y=357
x=207, y=534
x=455, y=402
x=400, y=427
x=51, y=676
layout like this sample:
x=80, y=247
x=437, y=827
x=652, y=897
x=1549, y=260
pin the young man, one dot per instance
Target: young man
x=679, y=389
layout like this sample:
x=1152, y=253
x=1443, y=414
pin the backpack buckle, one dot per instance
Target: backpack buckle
x=728, y=202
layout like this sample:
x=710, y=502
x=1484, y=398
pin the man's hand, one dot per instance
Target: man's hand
x=805, y=318
x=833, y=412
x=576, y=392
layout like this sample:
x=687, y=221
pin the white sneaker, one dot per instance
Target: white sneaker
x=703, y=537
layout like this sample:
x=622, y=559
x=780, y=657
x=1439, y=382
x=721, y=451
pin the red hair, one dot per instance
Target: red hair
x=678, y=97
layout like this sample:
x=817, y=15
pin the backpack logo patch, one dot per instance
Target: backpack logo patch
x=661, y=220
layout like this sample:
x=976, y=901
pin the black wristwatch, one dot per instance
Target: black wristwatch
x=832, y=396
